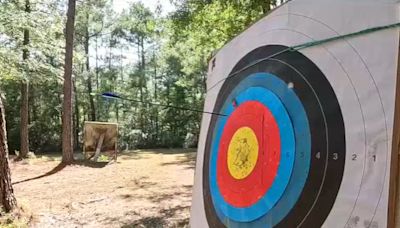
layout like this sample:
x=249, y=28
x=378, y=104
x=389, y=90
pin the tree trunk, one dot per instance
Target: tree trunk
x=24, y=131
x=91, y=100
x=67, y=144
x=140, y=70
x=33, y=107
x=77, y=119
x=97, y=65
x=142, y=82
x=266, y=7
x=143, y=69
x=110, y=53
x=155, y=95
x=89, y=79
x=121, y=66
x=7, y=198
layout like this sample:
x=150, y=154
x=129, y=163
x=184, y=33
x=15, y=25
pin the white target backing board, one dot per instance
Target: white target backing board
x=304, y=137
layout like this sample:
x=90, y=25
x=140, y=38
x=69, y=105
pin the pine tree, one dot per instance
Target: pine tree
x=7, y=198
x=67, y=138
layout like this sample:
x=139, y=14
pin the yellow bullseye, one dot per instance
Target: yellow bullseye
x=242, y=153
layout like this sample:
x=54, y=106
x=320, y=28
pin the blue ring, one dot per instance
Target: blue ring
x=300, y=122
x=284, y=173
x=303, y=145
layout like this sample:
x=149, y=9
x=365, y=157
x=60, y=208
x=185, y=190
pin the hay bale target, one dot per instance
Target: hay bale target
x=100, y=138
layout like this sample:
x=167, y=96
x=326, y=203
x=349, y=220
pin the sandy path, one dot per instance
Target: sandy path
x=143, y=189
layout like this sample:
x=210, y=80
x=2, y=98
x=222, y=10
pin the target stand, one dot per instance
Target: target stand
x=305, y=136
x=100, y=141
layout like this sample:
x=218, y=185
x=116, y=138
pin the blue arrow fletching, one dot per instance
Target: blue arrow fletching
x=110, y=95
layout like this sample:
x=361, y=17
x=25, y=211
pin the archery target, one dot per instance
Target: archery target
x=305, y=136
x=294, y=114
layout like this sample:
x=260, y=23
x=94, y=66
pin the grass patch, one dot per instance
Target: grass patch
x=20, y=218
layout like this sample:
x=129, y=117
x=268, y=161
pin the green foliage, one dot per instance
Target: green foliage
x=170, y=56
x=42, y=69
x=136, y=22
x=20, y=218
x=44, y=24
x=199, y=28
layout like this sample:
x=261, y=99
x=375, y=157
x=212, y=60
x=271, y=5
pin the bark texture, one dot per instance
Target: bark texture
x=67, y=136
x=24, y=130
x=8, y=202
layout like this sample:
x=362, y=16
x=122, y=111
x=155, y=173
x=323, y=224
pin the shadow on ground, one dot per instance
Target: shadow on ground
x=61, y=166
x=91, y=164
x=165, y=220
x=143, y=154
x=188, y=159
x=55, y=170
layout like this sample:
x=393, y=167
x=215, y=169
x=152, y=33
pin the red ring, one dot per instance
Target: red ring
x=247, y=191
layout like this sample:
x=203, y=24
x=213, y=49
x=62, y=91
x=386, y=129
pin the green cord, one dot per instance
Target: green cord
x=307, y=45
x=359, y=33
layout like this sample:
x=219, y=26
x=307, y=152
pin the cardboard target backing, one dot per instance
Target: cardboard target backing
x=306, y=136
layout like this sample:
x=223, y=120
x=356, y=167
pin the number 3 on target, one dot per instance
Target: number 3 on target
x=335, y=156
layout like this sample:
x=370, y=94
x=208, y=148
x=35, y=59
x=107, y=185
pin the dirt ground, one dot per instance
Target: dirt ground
x=142, y=189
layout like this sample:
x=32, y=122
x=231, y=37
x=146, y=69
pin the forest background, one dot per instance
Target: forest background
x=147, y=55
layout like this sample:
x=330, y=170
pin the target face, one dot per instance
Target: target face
x=304, y=138
x=268, y=161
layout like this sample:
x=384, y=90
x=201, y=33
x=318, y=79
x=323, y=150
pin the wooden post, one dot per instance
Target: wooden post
x=99, y=145
x=116, y=147
x=394, y=184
